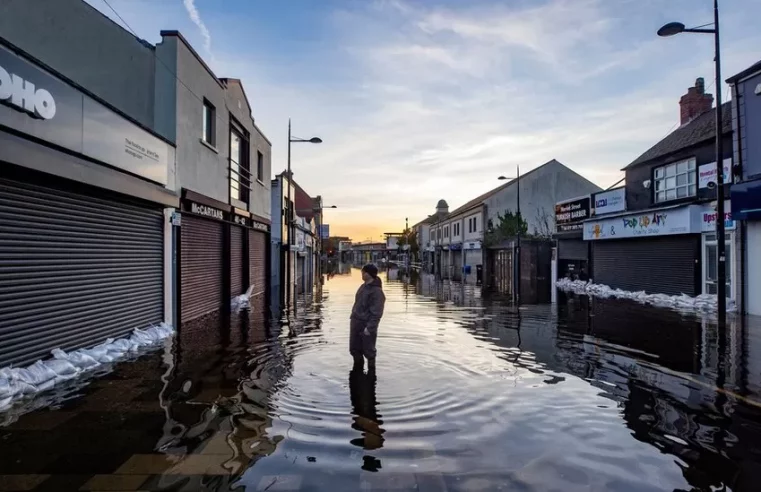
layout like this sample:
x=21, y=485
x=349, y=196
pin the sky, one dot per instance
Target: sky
x=418, y=100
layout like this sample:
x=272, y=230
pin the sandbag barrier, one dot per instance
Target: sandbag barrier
x=17, y=384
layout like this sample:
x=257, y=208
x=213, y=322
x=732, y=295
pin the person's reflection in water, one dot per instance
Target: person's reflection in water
x=366, y=418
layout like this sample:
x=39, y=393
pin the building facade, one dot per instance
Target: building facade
x=456, y=240
x=222, y=177
x=86, y=183
x=665, y=241
x=145, y=208
x=746, y=194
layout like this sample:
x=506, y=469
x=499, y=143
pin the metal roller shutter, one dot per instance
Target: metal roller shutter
x=201, y=265
x=74, y=269
x=666, y=265
x=236, y=261
x=573, y=249
x=257, y=252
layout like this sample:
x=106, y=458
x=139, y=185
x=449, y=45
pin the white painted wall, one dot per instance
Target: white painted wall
x=478, y=234
x=753, y=274
x=540, y=190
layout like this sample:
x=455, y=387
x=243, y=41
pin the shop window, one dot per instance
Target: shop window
x=209, y=123
x=675, y=181
x=240, y=176
x=259, y=166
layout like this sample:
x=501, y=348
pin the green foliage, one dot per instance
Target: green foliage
x=408, y=237
x=507, y=226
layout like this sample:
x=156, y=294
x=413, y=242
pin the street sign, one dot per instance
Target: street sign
x=176, y=219
x=325, y=231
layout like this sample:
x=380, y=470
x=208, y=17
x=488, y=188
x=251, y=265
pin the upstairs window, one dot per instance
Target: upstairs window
x=209, y=119
x=260, y=166
x=675, y=181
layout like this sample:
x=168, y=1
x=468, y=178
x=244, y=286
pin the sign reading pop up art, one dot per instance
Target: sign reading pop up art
x=662, y=222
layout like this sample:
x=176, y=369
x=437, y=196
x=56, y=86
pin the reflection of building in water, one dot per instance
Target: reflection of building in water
x=216, y=400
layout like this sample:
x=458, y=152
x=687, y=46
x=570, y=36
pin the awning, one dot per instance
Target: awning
x=746, y=200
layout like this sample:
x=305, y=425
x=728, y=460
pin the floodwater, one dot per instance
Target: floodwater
x=469, y=395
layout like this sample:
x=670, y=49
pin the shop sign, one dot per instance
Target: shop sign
x=240, y=220
x=455, y=247
x=655, y=223
x=260, y=226
x=24, y=96
x=207, y=211
x=37, y=103
x=570, y=214
x=707, y=173
x=708, y=218
x=610, y=201
x=324, y=231
x=472, y=245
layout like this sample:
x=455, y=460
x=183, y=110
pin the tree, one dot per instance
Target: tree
x=507, y=226
x=544, y=226
x=408, y=238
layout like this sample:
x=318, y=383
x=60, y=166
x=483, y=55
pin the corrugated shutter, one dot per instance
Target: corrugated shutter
x=201, y=265
x=236, y=261
x=257, y=242
x=74, y=269
x=665, y=265
x=573, y=249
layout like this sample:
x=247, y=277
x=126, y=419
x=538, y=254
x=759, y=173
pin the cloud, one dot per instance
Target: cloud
x=196, y=18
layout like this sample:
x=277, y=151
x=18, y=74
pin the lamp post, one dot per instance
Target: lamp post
x=671, y=29
x=290, y=220
x=518, y=245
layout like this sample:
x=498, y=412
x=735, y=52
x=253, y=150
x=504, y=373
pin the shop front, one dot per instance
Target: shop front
x=258, y=252
x=456, y=252
x=708, y=250
x=473, y=261
x=573, y=253
x=202, y=255
x=84, y=236
x=657, y=251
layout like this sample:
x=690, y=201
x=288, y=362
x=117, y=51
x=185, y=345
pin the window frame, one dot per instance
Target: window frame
x=209, y=123
x=241, y=175
x=670, y=173
x=260, y=166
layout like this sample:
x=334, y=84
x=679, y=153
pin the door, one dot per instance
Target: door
x=710, y=273
x=76, y=267
x=201, y=267
x=257, y=267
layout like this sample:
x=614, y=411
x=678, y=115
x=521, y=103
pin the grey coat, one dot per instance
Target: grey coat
x=368, y=305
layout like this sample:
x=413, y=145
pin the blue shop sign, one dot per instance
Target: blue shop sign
x=746, y=200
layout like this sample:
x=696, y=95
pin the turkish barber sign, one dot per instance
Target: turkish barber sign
x=568, y=215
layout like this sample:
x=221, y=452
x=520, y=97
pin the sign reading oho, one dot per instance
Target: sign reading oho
x=25, y=96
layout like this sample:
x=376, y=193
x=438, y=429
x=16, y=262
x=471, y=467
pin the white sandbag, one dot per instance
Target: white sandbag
x=5, y=403
x=5, y=388
x=77, y=358
x=64, y=369
x=141, y=337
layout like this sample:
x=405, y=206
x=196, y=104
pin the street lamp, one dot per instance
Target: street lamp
x=291, y=218
x=518, y=245
x=671, y=29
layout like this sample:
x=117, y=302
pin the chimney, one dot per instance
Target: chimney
x=695, y=102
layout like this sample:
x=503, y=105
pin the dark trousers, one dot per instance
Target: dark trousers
x=359, y=343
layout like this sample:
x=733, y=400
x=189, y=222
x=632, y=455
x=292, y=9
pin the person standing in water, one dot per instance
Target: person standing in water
x=365, y=317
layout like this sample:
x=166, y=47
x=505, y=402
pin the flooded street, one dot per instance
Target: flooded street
x=469, y=395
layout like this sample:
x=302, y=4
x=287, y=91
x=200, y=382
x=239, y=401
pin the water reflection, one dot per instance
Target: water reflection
x=366, y=419
x=470, y=394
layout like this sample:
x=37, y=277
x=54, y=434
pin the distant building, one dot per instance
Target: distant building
x=455, y=240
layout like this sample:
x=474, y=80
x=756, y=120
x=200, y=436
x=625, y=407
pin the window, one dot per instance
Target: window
x=675, y=181
x=209, y=123
x=446, y=232
x=240, y=176
x=472, y=224
x=456, y=230
x=259, y=166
